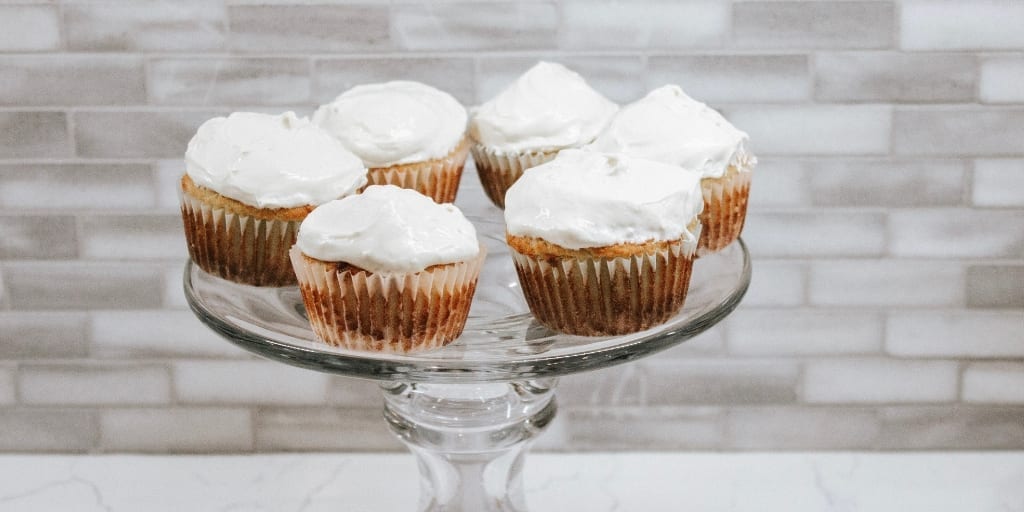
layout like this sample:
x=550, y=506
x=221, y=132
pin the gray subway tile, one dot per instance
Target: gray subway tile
x=72, y=80
x=248, y=382
x=177, y=430
x=475, y=26
x=815, y=129
x=620, y=78
x=29, y=28
x=1001, y=79
x=155, y=333
x=41, y=335
x=77, y=286
x=815, y=234
x=734, y=78
x=454, y=75
x=149, y=26
x=318, y=429
x=34, y=135
x=956, y=334
x=720, y=382
x=958, y=131
x=310, y=28
x=661, y=24
x=37, y=237
x=813, y=24
x=229, y=81
x=163, y=134
x=642, y=428
x=895, y=77
x=76, y=186
x=893, y=183
x=951, y=427
x=351, y=393
x=985, y=24
x=148, y=237
x=998, y=182
x=885, y=381
x=624, y=385
x=80, y=384
x=796, y=332
x=996, y=286
x=950, y=233
x=48, y=430
x=875, y=282
x=796, y=428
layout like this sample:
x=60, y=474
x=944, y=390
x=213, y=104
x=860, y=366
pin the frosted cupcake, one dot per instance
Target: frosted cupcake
x=388, y=270
x=547, y=109
x=249, y=181
x=603, y=243
x=407, y=133
x=669, y=126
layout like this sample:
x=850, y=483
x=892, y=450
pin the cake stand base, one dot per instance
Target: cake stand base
x=470, y=439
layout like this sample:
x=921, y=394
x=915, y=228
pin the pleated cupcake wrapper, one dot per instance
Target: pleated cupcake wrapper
x=725, y=210
x=437, y=179
x=606, y=296
x=498, y=171
x=240, y=248
x=387, y=312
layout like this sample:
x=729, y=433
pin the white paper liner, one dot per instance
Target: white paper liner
x=236, y=247
x=403, y=312
x=498, y=171
x=606, y=296
x=437, y=179
x=725, y=210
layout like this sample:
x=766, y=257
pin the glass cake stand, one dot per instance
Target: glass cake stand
x=467, y=411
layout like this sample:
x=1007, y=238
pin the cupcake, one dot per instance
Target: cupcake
x=547, y=109
x=249, y=181
x=670, y=127
x=407, y=133
x=388, y=270
x=603, y=243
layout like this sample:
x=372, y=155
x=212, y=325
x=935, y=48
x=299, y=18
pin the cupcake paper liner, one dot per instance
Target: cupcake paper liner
x=437, y=179
x=237, y=247
x=403, y=312
x=606, y=296
x=498, y=171
x=725, y=210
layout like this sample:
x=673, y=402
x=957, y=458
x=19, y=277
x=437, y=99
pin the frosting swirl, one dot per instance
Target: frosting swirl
x=548, y=107
x=669, y=126
x=587, y=199
x=388, y=229
x=271, y=161
x=395, y=122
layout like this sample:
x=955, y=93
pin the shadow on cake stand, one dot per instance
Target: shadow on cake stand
x=467, y=411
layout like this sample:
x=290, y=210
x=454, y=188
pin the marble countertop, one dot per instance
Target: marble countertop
x=933, y=482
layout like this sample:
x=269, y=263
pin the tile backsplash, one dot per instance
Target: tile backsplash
x=886, y=222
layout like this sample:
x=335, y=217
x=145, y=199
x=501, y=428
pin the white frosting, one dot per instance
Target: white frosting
x=548, y=107
x=588, y=199
x=388, y=229
x=669, y=126
x=395, y=122
x=271, y=161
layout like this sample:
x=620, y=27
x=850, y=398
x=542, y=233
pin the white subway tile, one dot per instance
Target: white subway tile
x=167, y=176
x=151, y=26
x=886, y=283
x=308, y=28
x=893, y=183
x=780, y=182
x=733, y=78
x=961, y=24
x=950, y=233
x=779, y=332
x=160, y=134
x=474, y=26
x=623, y=385
x=815, y=130
x=604, y=24
x=248, y=382
x=81, y=285
x=72, y=80
x=37, y=237
x=814, y=234
x=182, y=429
x=39, y=335
x=995, y=286
x=229, y=81
x=94, y=384
x=632, y=428
x=44, y=430
x=148, y=237
x=1001, y=79
x=305, y=429
x=76, y=187
x=174, y=290
x=994, y=383
x=776, y=283
x=998, y=182
x=775, y=428
x=813, y=24
x=29, y=28
x=155, y=333
x=895, y=77
x=959, y=334
x=958, y=131
x=879, y=381
x=706, y=344
x=453, y=75
x=951, y=427
x=34, y=135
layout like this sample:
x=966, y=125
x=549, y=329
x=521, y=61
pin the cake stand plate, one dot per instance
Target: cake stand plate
x=468, y=410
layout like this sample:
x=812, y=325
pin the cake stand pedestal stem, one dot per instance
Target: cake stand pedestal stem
x=470, y=439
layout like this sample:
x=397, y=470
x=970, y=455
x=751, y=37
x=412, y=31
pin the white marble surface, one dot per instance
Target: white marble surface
x=933, y=482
